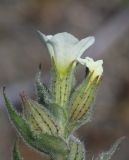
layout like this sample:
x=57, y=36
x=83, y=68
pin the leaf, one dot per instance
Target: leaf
x=44, y=143
x=16, y=153
x=77, y=151
x=108, y=155
x=43, y=93
x=51, y=144
x=20, y=124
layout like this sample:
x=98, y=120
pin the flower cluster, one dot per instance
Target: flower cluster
x=48, y=124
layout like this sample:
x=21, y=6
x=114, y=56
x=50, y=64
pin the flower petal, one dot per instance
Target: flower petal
x=64, y=49
x=44, y=39
x=63, y=44
x=95, y=67
x=83, y=45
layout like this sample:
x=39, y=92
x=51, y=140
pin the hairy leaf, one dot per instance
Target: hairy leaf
x=43, y=93
x=108, y=155
x=16, y=153
x=20, y=124
x=45, y=143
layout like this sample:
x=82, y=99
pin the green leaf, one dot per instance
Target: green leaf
x=51, y=144
x=42, y=142
x=20, y=124
x=43, y=93
x=108, y=155
x=16, y=153
x=77, y=150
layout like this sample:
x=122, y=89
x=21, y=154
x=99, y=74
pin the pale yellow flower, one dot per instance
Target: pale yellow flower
x=64, y=49
x=94, y=67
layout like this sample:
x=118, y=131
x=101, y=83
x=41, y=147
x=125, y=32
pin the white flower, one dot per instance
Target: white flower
x=94, y=67
x=64, y=48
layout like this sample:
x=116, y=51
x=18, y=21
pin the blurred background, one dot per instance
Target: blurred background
x=21, y=52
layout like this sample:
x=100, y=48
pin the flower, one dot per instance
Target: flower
x=64, y=49
x=95, y=67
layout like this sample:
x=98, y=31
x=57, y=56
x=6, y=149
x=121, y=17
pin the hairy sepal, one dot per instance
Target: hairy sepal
x=61, y=117
x=73, y=126
x=77, y=150
x=61, y=86
x=81, y=100
x=39, y=118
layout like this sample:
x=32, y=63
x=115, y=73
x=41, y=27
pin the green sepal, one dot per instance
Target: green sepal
x=16, y=152
x=61, y=117
x=58, y=112
x=73, y=126
x=61, y=86
x=43, y=93
x=77, y=150
x=44, y=143
x=81, y=101
x=38, y=117
x=108, y=154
